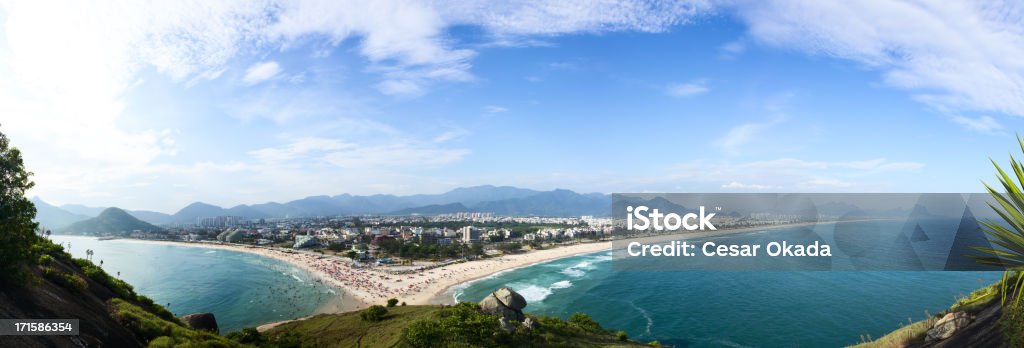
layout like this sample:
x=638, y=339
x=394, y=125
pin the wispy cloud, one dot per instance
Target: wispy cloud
x=736, y=185
x=739, y=136
x=260, y=72
x=494, y=109
x=688, y=89
x=984, y=124
x=974, y=66
x=732, y=49
x=297, y=149
x=407, y=88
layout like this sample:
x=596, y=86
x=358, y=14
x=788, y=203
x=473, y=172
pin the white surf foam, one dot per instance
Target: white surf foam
x=561, y=284
x=534, y=293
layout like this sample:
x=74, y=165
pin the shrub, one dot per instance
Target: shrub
x=392, y=302
x=621, y=335
x=47, y=247
x=17, y=230
x=45, y=259
x=424, y=333
x=67, y=280
x=584, y=322
x=1012, y=323
x=74, y=283
x=162, y=333
x=403, y=303
x=374, y=313
x=248, y=335
x=119, y=287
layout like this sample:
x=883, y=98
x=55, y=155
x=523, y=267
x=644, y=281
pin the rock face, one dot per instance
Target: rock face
x=201, y=321
x=947, y=326
x=505, y=302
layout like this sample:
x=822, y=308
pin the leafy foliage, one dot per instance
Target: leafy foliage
x=1012, y=324
x=66, y=280
x=160, y=332
x=374, y=313
x=585, y=322
x=17, y=230
x=459, y=325
x=392, y=302
x=1009, y=237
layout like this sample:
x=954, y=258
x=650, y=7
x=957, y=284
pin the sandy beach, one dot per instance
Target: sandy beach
x=363, y=286
x=372, y=284
x=360, y=287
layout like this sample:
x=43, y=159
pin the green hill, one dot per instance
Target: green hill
x=112, y=221
x=439, y=326
x=110, y=312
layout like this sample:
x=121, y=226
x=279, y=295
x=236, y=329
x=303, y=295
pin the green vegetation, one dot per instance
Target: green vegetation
x=160, y=332
x=510, y=248
x=584, y=322
x=374, y=313
x=392, y=302
x=1011, y=210
x=461, y=325
x=17, y=230
x=394, y=247
x=914, y=332
x=621, y=335
x=66, y=280
x=112, y=221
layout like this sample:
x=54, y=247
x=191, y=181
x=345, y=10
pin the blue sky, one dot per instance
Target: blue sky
x=154, y=106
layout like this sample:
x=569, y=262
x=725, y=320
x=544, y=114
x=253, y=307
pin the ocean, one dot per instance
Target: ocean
x=240, y=289
x=732, y=309
x=684, y=309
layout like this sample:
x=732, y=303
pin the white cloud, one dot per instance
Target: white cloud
x=689, y=89
x=400, y=88
x=954, y=56
x=400, y=155
x=260, y=72
x=450, y=135
x=494, y=109
x=560, y=17
x=732, y=49
x=984, y=124
x=737, y=137
x=395, y=154
x=826, y=183
x=741, y=186
x=788, y=174
x=298, y=148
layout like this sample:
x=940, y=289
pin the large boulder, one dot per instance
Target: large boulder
x=510, y=298
x=201, y=321
x=506, y=303
x=948, y=325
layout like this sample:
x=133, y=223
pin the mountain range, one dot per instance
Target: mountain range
x=500, y=200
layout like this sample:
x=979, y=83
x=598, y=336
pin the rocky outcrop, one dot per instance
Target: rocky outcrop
x=529, y=324
x=948, y=325
x=201, y=321
x=506, y=303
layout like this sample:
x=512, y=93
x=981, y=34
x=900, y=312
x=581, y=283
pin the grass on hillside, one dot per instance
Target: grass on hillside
x=349, y=330
x=915, y=331
x=160, y=332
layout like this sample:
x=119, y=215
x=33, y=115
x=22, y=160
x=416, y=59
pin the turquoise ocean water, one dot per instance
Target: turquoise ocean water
x=685, y=309
x=240, y=289
x=732, y=309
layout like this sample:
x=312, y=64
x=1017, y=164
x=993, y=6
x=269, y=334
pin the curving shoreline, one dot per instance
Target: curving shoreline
x=420, y=288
